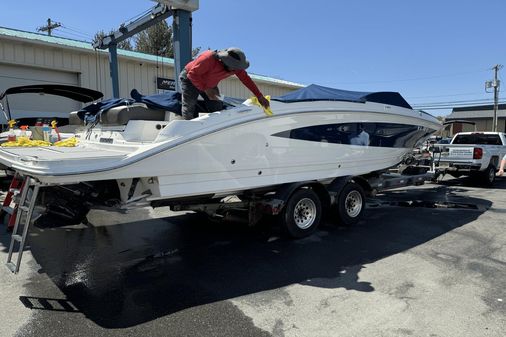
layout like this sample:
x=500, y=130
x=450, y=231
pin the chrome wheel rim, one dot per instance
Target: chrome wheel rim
x=353, y=204
x=304, y=213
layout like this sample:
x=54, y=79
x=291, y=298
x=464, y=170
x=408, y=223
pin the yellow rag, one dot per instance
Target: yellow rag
x=255, y=101
x=25, y=142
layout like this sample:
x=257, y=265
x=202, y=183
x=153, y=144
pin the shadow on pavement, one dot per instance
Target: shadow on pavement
x=123, y=275
x=465, y=181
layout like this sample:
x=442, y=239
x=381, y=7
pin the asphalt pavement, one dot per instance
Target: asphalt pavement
x=424, y=261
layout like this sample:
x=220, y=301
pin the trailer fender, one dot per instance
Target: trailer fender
x=335, y=187
x=276, y=204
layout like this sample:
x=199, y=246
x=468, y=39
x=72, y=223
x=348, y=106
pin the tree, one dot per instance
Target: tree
x=125, y=44
x=156, y=40
x=196, y=51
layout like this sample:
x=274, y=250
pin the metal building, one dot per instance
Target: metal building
x=31, y=58
x=481, y=115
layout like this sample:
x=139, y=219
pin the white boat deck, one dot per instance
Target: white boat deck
x=61, y=153
x=56, y=160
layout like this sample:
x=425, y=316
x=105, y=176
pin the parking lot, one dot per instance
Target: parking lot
x=424, y=261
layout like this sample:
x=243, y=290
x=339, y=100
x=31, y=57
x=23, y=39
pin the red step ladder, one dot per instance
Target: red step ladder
x=9, y=208
x=24, y=217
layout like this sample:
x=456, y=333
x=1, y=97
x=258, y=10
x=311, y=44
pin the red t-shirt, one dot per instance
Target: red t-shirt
x=206, y=71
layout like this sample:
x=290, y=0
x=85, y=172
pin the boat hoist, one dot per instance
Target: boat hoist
x=180, y=10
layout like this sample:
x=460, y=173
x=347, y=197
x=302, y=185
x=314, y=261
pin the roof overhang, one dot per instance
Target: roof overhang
x=463, y=121
x=79, y=94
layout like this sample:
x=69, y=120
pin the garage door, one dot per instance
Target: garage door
x=32, y=105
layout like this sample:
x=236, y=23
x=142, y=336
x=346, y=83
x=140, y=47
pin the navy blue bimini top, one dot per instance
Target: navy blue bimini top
x=315, y=92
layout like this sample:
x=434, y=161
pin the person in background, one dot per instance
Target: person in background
x=362, y=138
x=202, y=75
x=501, y=167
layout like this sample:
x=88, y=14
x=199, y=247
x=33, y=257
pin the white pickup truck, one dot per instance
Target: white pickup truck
x=474, y=154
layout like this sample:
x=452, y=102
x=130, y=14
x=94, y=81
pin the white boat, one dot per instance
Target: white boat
x=236, y=150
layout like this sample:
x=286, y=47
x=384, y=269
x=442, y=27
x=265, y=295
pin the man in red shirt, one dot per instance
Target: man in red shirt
x=202, y=75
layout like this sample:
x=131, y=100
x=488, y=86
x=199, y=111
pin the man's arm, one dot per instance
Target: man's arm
x=501, y=167
x=248, y=82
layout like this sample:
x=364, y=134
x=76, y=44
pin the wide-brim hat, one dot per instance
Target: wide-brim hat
x=233, y=58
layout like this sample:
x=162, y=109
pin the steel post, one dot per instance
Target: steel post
x=182, y=37
x=113, y=66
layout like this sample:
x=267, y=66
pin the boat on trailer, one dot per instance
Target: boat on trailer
x=317, y=139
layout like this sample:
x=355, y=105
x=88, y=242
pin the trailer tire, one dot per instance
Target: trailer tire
x=302, y=213
x=350, y=204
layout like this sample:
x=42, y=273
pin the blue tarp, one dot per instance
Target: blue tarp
x=315, y=92
x=168, y=101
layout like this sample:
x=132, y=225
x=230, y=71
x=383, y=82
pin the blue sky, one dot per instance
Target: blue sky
x=429, y=51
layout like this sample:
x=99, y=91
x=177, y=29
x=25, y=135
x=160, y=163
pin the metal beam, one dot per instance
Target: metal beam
x=158, y=13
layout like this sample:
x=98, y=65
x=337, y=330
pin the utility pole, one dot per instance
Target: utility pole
x=49, y=27
x=494, y=84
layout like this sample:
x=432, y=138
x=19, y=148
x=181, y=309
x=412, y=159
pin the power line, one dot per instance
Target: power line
x=136, y=17
x=449, y=107
x=76, y=31
x=454, y=105
x=449, y=95
x=418, y=78
x=76, y=35
x=458, y=102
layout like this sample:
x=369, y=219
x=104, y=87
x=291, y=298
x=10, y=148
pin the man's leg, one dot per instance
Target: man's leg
x=189, y=97
x=212, y=105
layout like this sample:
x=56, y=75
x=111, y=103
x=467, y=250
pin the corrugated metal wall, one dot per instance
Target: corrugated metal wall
x=93, y=68
x=481, y=125
x=233, y=87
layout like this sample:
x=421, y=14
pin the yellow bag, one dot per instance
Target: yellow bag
x=69, y=142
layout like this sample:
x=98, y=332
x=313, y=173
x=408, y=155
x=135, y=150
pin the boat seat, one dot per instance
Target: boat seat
x=120, y=115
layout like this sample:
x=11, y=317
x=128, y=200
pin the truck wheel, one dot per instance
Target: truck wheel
x=302, y=213
x=488, y=176
x=350, y=204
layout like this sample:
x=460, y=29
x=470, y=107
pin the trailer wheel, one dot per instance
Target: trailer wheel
x=488, y=176
x=302, y=213
x=350, y=204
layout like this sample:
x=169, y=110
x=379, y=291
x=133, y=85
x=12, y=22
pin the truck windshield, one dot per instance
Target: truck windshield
x=478, y=138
